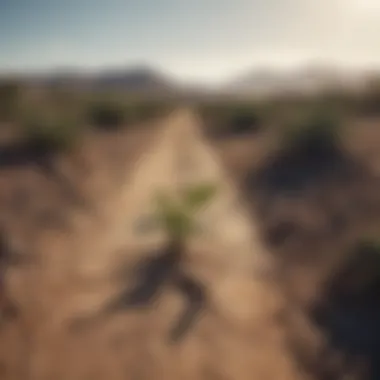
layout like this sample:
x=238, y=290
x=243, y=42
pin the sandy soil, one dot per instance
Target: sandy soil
x=246, y=327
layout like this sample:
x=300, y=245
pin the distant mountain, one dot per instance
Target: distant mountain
x=306, y=80
x=135, y=80
x=129, y=79
x=257, y=83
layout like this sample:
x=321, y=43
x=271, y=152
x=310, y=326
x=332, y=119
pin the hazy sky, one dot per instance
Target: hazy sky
x=194, y=39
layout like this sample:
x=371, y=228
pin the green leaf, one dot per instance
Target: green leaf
x=176, y=216
x=198, y=196
x=173, y=217
x=179, y=224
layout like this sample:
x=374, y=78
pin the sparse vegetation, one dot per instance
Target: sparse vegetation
x=113, y=113
x=370, y=101
x=368, y=252
x=313, y=134
x=149, y=110
x=359, y=276
x=309, y=149
x=178, y=216
x=369, y=244
x=244, y=119
x=233, y=118
x=49, y=131
x=9, y=99
x=304, y=225
x=107, y=115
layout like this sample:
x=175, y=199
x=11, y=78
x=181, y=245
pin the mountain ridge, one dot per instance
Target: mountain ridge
x=261, y=81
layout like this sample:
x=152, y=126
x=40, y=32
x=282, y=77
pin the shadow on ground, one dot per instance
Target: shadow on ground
x=312, y=206
x=293, y=171
x=8, y=258
x=153, y=276
x=349, y=311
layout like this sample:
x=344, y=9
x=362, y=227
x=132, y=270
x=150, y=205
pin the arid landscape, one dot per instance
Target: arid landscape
x=280, y=280
x=190, y=190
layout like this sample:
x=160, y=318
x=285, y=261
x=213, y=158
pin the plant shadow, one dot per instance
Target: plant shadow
x=153, y=277
x=194, y=292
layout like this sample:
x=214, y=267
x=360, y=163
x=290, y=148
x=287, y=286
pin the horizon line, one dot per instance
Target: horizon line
x=156, y=68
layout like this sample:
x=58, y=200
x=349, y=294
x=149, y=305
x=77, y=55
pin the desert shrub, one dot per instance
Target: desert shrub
x=309, y=150
x=369, y=103
x=49, y=131
x=9, y=98
x=370, y=245
x=150, y=110
x=69, y=100
x=343, y=102
x=107, y=115
x=116, y=112
x=243, y=119
x=313, y=133
x=360, y=272
x=232, y=118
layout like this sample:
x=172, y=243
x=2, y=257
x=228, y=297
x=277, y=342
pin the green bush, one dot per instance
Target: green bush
x=115, y=112
x=243, y=119
x=361, y=270
x=9, y=99
x=369, y=244
x=107, y=114
x=149, y=110
x=312, y=133
x=369, y=103
x=232, y=118
x=48, y=131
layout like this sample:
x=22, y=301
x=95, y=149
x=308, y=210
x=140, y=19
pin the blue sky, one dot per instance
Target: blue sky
x=198, y=39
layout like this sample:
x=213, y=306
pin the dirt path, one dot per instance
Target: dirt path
x=235, y=335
